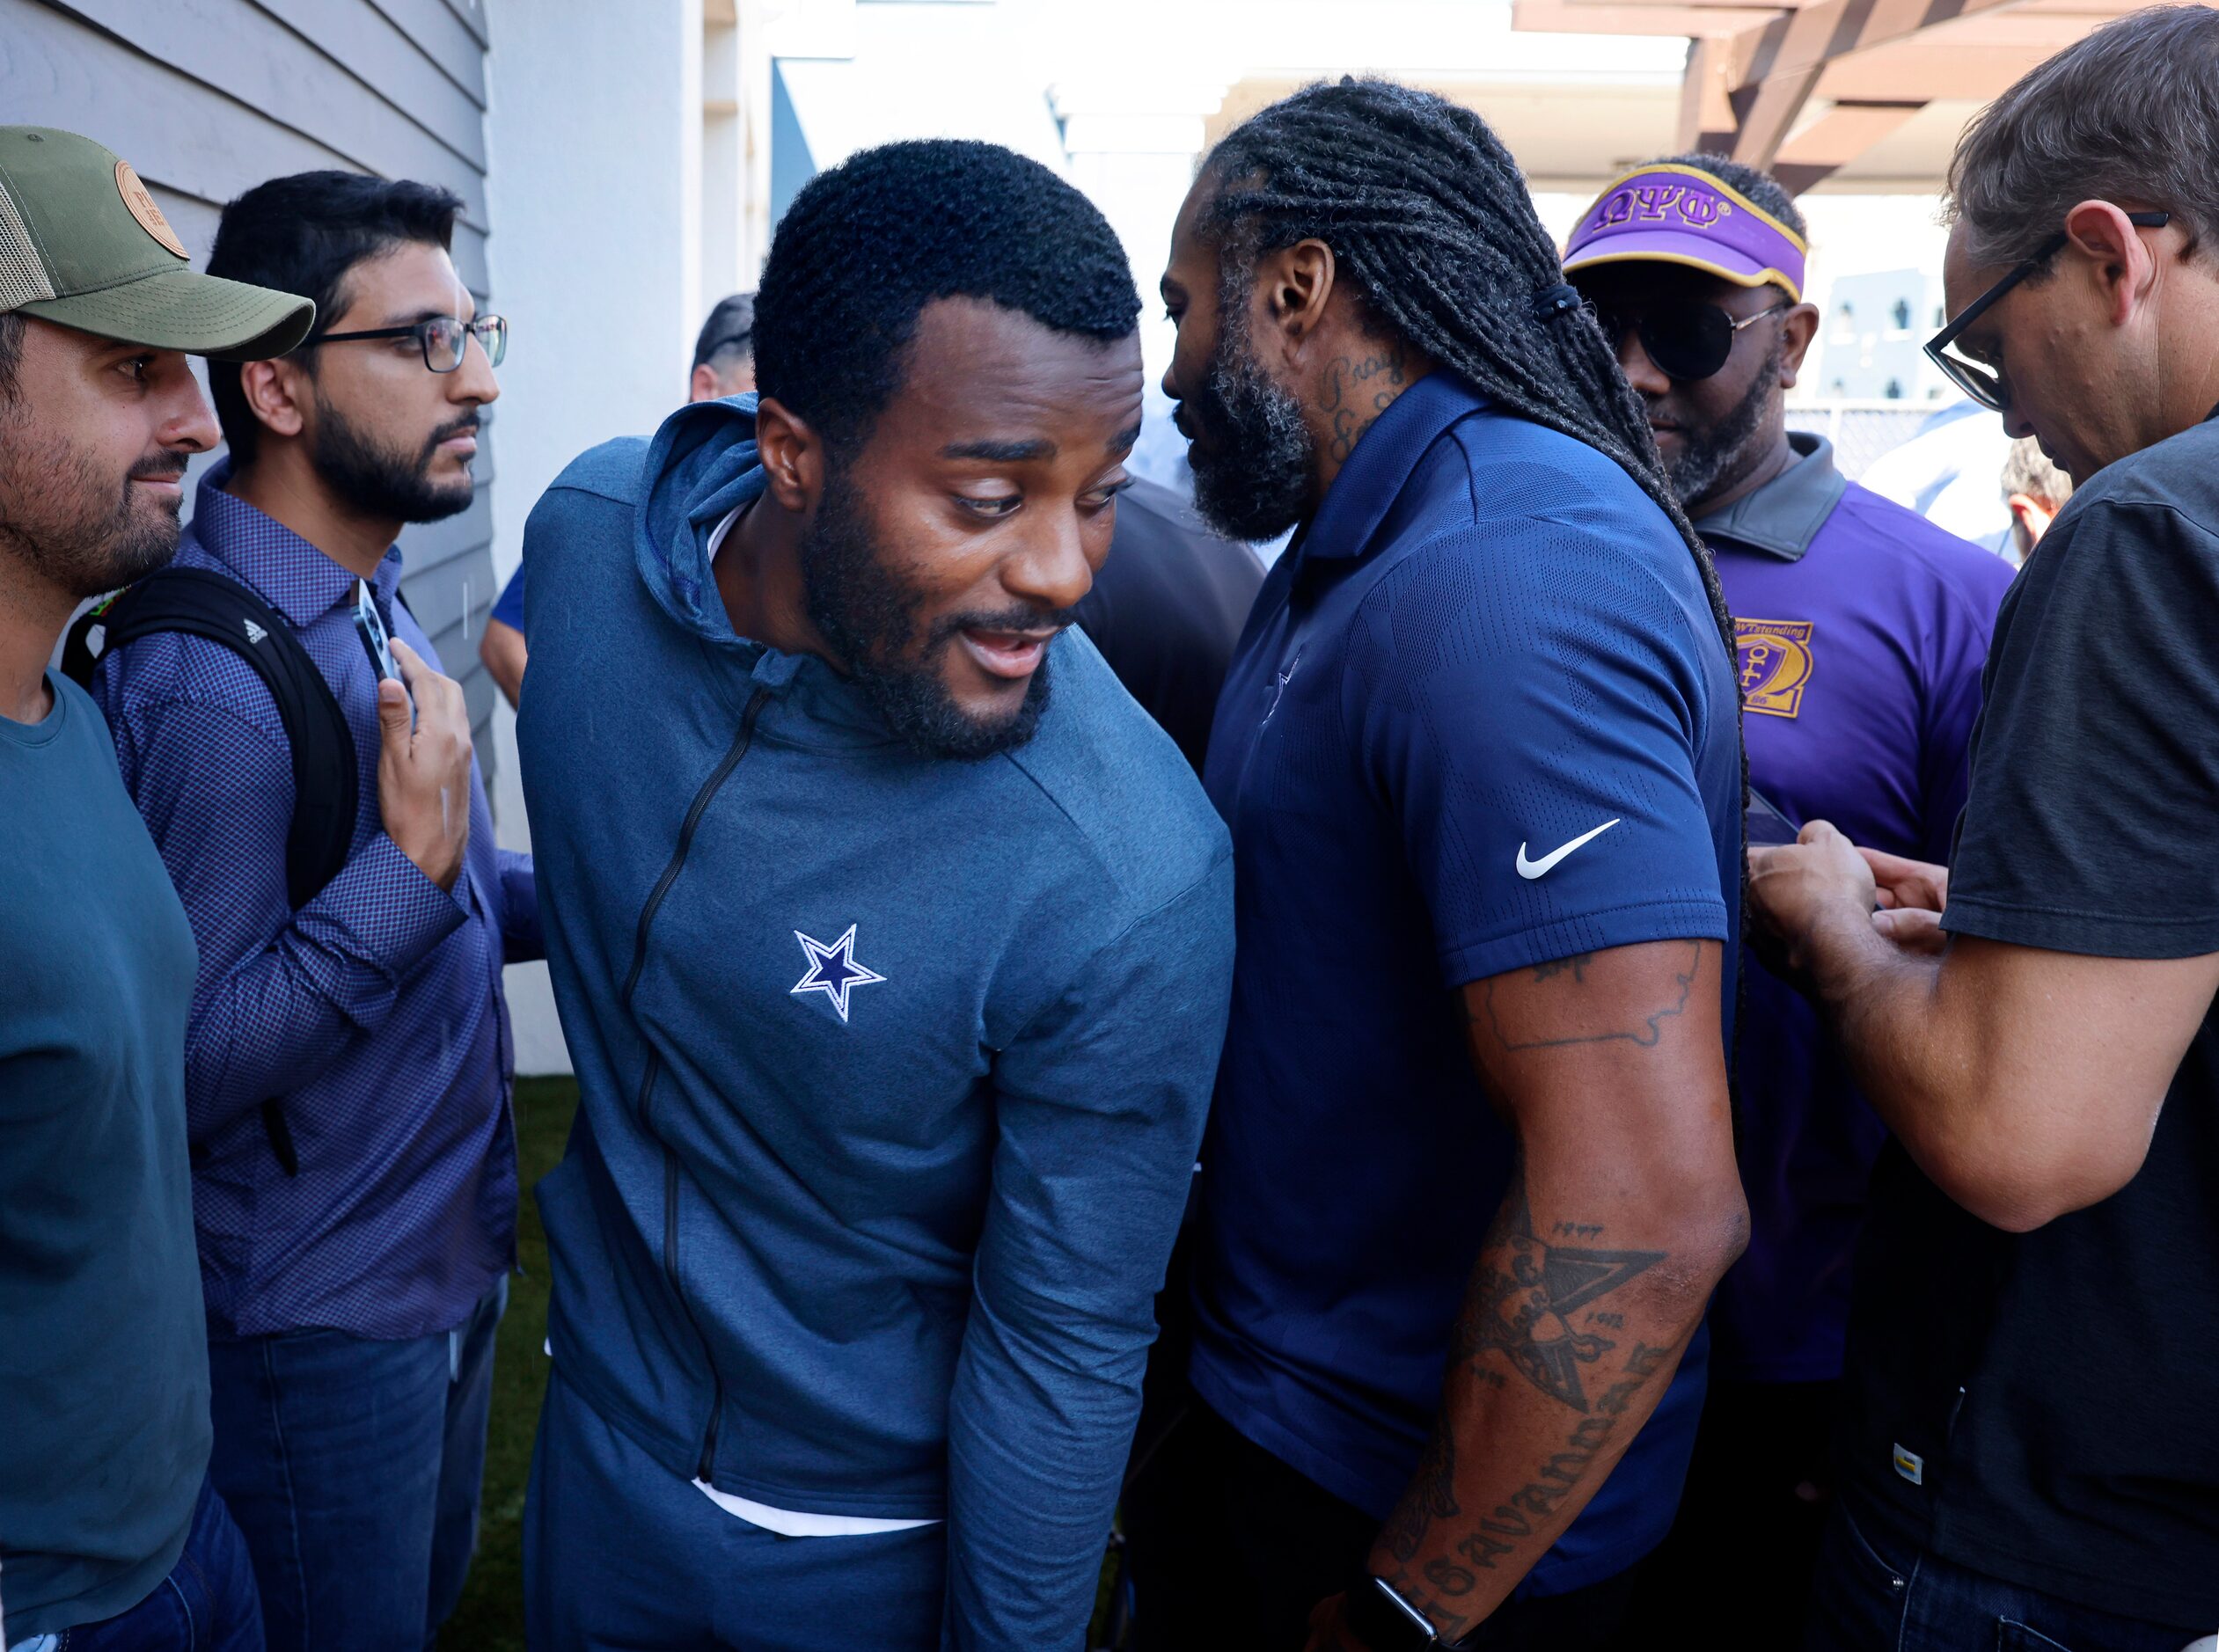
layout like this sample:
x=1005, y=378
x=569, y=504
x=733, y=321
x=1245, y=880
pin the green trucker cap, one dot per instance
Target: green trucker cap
x=83, y=244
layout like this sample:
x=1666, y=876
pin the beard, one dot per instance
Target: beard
x=374, y=479
x=1255, y=483
x=1707, y=456
x=869, y=615
x=81, y=532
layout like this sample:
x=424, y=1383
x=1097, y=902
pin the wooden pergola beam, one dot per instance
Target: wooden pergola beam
x=1777, y=66
x=1707, y=121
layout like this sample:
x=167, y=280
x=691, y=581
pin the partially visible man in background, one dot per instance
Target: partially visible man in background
x=113, y=1534
x=348, y=1057
x=723, y=365
x=1167, y=608
x=1861, y=628
x=2034, y=491
x=2032, y=1459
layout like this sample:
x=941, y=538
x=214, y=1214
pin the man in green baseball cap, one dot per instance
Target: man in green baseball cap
x=110, y=1525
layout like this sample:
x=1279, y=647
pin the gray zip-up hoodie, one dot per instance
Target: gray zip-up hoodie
x=893, y=1068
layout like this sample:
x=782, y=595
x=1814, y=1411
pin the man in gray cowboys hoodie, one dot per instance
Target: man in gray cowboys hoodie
x=892, y=944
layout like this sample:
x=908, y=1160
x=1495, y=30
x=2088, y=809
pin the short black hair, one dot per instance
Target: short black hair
x=1761, y=186
x=729, y=334
x=303, y=234
x=866, y=246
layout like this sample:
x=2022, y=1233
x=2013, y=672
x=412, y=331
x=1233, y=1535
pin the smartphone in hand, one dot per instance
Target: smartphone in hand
x=377, y=644
x=1767, y=823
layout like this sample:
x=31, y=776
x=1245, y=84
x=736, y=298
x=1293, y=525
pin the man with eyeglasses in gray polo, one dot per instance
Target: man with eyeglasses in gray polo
x=2031, y=1458
x=347, y=1056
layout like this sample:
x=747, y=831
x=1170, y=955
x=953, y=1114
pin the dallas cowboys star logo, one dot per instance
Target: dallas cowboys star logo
x=832, y=970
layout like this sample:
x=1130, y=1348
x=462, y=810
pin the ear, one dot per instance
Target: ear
x=1295, y=284
x=2117, y=259
x=2031, y=513
x=1798, y=328
x=276, y=392
x=704, y=386
x=792, y=457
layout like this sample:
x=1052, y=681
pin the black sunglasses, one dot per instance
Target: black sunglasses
x=443, y=339
x=1686, y=342
x=1982, y=382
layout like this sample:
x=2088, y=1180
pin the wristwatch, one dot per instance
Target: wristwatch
x=1383, y=1620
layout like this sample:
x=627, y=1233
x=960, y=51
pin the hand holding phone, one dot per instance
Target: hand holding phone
x=370, y=627
x=1766, y=822
x=424, y=763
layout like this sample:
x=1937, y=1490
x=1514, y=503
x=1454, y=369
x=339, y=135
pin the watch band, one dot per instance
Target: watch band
x=1382, y=1619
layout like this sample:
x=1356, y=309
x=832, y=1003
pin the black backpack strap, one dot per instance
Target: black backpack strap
x=203, y=604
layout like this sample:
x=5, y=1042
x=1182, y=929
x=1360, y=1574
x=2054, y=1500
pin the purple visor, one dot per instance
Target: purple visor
x=1677, y=215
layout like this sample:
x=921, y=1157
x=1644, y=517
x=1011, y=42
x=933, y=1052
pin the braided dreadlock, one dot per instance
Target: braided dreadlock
x=1428, y=214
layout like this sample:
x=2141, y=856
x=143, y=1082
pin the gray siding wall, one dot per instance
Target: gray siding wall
x=208, y=97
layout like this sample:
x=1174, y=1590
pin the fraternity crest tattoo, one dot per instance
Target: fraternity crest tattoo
x=1523, y=1309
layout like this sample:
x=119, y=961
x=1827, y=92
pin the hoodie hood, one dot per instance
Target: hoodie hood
x=701, y=467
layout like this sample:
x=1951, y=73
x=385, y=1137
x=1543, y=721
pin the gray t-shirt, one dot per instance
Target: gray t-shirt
x=2036, y=1406
x=104, y=1422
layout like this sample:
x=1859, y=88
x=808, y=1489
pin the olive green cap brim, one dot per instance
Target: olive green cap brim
x=183, y=309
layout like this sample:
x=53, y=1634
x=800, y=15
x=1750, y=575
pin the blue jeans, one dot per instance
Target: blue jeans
x=1861, y=1602
x=353, y=1464
x=621, y=1552
x=207, y=1603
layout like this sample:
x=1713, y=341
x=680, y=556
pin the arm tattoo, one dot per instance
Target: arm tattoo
x=1645, y=1028
x=1534, y=1504
x=1431, y=1495
x=1524, y=1296
x=1357, y=392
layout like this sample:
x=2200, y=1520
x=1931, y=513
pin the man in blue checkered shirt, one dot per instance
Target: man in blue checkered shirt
x=353, y=1282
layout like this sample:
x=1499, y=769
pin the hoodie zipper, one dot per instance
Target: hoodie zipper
x=701, y=800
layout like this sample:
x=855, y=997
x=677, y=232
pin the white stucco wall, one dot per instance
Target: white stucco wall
x=594, y=147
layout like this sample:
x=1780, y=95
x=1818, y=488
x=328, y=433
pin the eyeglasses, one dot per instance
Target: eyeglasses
x=1686, y=340
x=1982, y=382
x=443, y=339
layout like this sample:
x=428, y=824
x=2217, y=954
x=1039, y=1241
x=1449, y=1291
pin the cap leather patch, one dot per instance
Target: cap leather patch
x=142, y=207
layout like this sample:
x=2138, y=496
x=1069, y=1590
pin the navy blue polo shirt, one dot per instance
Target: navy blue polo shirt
x=1488, y=643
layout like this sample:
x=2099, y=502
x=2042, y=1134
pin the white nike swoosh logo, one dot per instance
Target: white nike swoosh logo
x=1531, y=869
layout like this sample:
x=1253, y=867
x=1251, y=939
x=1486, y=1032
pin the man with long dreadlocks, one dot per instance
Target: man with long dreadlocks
x=1469, y=1179
x=1861, y=630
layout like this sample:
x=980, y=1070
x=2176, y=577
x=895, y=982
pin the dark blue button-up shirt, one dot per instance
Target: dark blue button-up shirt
x=374, y=1012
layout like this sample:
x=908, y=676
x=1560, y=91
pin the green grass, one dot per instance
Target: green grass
x=490, y=1618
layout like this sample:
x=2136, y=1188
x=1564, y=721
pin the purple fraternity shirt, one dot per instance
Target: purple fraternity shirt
x=1862, y=628
x=375, y=1012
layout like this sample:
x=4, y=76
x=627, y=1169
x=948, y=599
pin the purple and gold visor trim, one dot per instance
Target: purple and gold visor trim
x=1679, y=214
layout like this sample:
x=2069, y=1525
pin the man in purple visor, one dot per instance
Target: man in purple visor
x=1861, y=629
